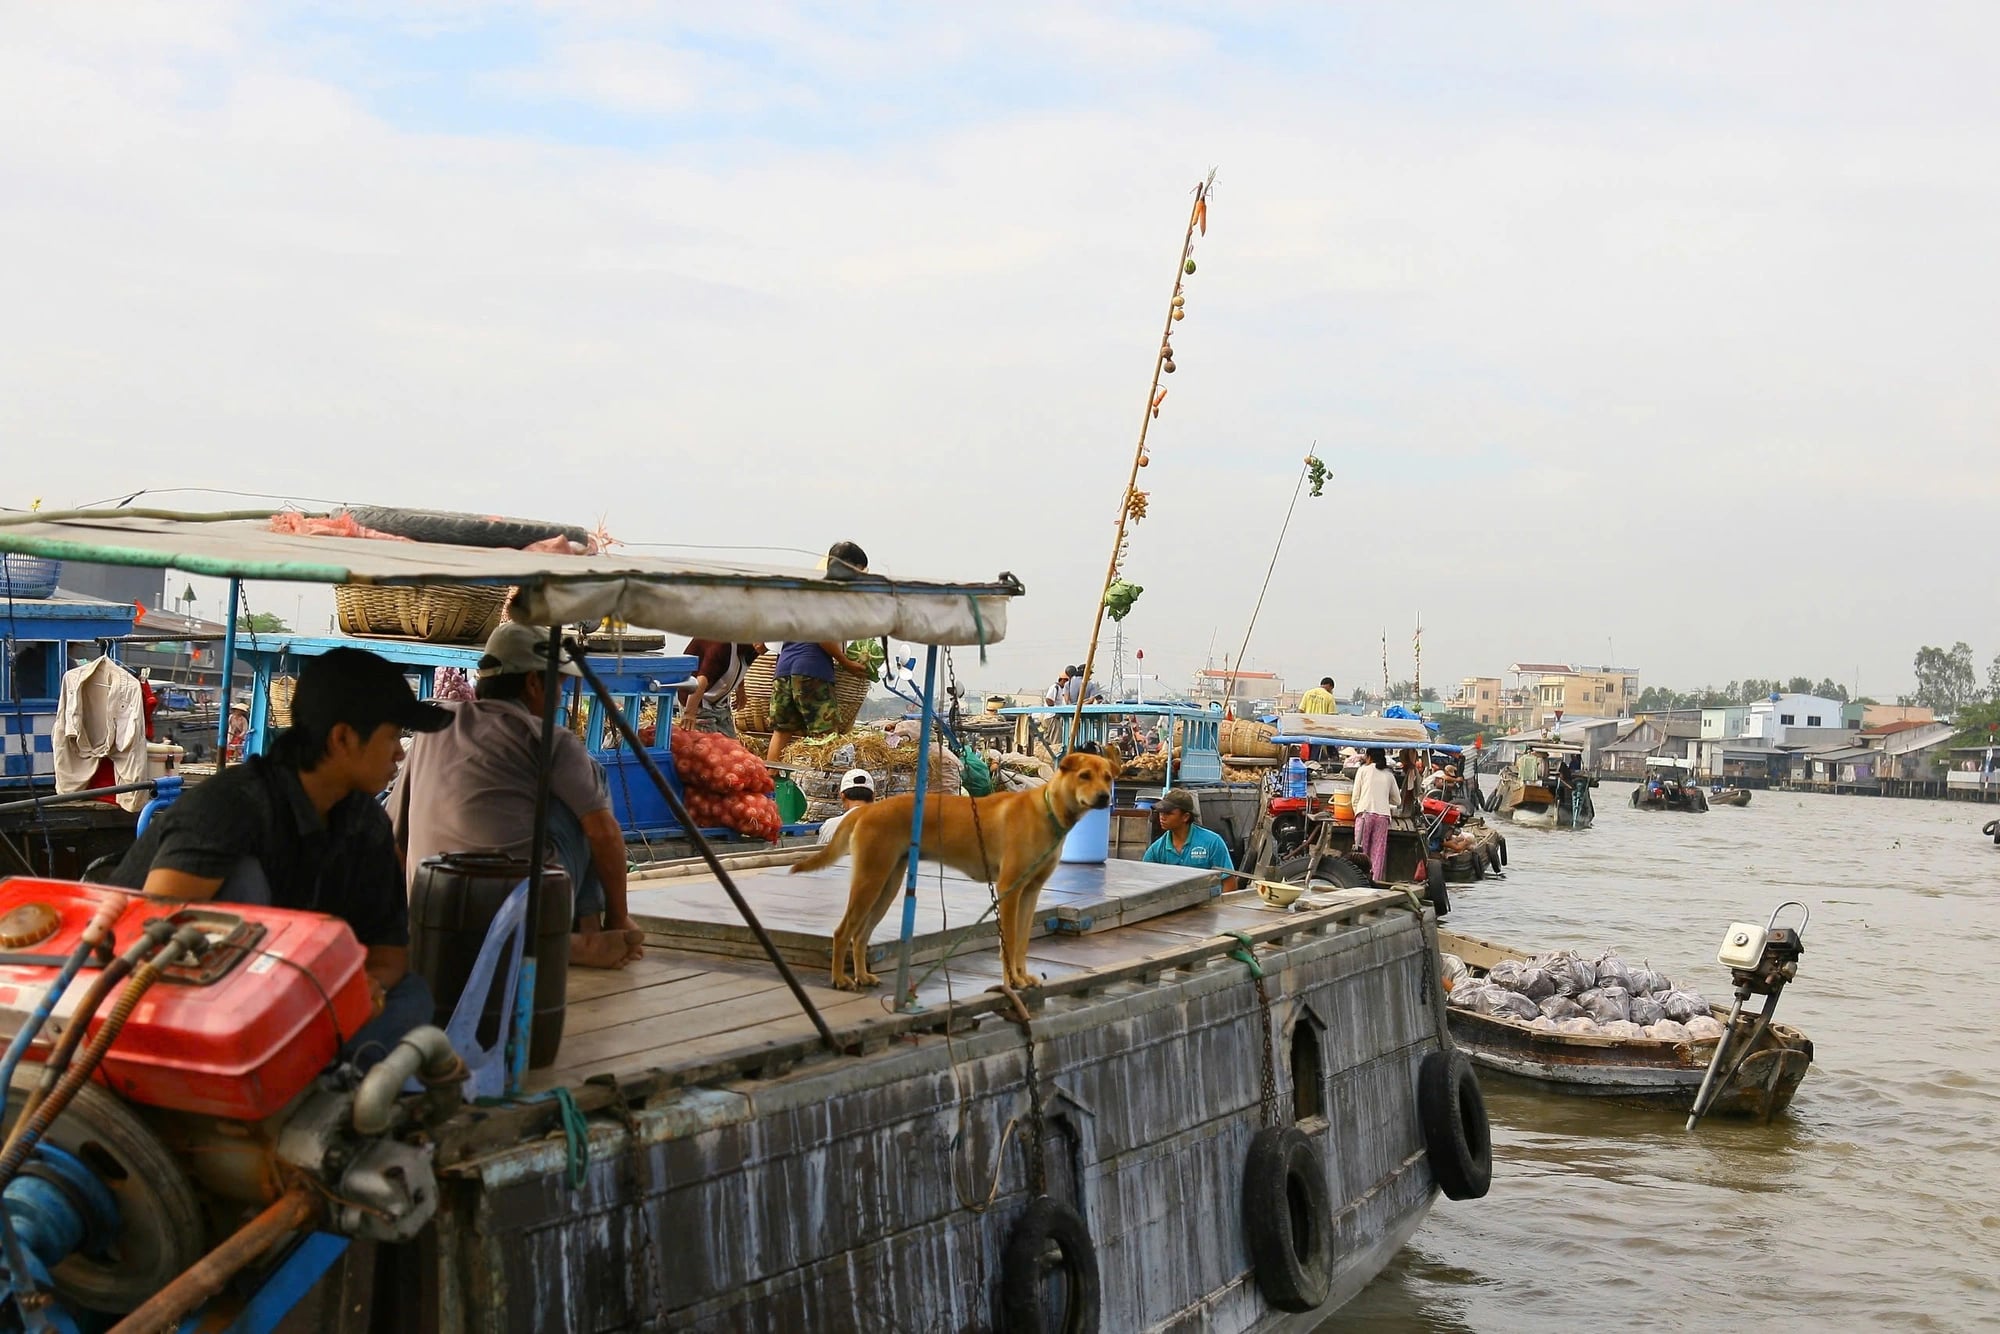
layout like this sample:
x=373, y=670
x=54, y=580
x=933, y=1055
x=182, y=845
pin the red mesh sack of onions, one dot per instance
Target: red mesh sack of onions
x=711, y=762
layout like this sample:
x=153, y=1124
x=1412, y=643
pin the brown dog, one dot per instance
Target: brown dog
x=1013, y=846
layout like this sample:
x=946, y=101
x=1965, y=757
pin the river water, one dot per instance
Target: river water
x=1873, y=1204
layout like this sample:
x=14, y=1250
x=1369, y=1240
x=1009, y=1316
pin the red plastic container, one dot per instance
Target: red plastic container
x=1279, y=805
x=1452, y=814
x=236, y=1037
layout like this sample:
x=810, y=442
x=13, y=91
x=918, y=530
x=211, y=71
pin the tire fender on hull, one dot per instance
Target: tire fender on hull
x=1288, y=1219
x=1456, y=1134
x=1046, y=1224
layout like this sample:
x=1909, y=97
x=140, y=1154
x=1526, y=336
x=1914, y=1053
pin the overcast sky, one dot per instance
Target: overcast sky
x=1660, y=334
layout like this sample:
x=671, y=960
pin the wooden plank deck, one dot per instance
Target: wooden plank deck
x=677, y=1008
x=694, y=913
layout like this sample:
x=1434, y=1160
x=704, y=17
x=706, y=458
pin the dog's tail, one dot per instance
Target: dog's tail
x=829, y=852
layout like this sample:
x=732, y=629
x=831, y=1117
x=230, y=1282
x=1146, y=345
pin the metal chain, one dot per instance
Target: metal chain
x=1038, y=1168
x=635, y=1187
x=1270, y=1090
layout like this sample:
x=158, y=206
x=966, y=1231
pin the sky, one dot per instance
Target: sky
x=1655, y=335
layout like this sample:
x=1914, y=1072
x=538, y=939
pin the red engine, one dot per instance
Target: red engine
x=1452, y=814
x=236, y=1034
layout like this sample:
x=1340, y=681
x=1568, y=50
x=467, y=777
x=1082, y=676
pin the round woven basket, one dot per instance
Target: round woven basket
x=28, y=576
x=1250, y=740
x=849, y=691
x=434, y=613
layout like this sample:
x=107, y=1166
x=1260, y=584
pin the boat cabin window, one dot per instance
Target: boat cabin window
x=31, y=672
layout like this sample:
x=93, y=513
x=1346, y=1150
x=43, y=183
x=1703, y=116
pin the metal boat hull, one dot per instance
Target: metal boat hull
x=879, y=1190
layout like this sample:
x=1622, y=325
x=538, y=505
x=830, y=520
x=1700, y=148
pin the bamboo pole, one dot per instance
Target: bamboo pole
x=1229, y=690
x=1197, y=217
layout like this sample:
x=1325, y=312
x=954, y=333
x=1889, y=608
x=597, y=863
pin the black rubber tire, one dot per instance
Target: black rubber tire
x=1333, y=870
x=1044, y=1225
x=1288, y=1219
x=1434, y=890
x=1477, y=858
x=464, y=530
x=1635, y=798
x=1991, y=826
x=161, y=1228
x=1457, y=1137
x=1503, y=850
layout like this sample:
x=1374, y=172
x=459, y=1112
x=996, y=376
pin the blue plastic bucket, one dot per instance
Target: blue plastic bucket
x=1089, y=843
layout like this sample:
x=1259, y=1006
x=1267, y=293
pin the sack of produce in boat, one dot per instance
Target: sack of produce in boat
x=1465, y=995
x=1572, y=974
x=1682, y=1006
x=1607, y=1004
x=1612, y=972
x=1541, y=1023
x=1644, y=980
x=1666, y=1030
x=1560, y=1007
x=1578, y=1025
x=1455, y=971
x=1507, y=973
x=1621, y=1028
x=1646, y=1011
x=1504, y=1004
x=1704, y=1028
x=1536, y=984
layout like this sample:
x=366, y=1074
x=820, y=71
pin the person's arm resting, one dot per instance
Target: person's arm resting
x=163, y=882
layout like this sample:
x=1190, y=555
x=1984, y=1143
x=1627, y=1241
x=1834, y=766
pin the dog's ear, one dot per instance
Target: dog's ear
x=1071, y=762
x=1114, y=759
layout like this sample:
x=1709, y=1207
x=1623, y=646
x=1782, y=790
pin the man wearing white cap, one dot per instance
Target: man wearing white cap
x=471, y=788
x=857, y=788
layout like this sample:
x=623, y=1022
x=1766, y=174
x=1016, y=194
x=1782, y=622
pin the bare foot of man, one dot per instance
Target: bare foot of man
x=605, y=949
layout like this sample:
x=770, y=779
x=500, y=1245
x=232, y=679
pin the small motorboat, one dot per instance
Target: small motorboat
x=1558, y=798
x=1668, y=785
x=1729, y=796
x=1769, y=1059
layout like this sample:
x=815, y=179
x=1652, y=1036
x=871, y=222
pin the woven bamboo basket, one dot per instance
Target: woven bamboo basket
x=1250, y=741
x=280, y=707
x=849, y=691
x=434, y=613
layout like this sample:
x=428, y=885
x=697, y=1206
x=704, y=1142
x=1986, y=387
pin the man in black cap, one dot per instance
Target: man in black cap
x=301, y=828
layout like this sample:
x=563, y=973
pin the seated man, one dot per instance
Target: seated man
x=301, y=828
x=471, y=788
x=1185, y=842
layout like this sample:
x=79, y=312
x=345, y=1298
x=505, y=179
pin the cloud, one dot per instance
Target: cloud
x=1667, y=332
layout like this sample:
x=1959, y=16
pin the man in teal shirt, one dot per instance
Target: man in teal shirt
x=1186, y=843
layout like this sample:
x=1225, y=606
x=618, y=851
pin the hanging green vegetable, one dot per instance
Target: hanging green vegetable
x=1119, y=597
x=1316, y=473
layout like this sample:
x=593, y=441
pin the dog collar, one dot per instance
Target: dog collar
x=1049, y=805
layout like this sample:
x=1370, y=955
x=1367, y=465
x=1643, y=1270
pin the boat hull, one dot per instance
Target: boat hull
x=1657, y=1074
x=840, y=1194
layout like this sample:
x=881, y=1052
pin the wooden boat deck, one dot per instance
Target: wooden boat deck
x=680, y=1011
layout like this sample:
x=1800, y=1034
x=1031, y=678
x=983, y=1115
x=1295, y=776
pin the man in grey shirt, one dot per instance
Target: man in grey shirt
x=471, y=788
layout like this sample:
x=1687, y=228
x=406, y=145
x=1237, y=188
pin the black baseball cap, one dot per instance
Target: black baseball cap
x=356, y=687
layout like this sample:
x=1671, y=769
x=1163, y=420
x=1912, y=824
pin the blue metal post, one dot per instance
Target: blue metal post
x=228, y=672
x=903, y=998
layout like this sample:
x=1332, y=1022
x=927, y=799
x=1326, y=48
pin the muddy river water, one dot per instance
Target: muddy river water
x=1873, y=1204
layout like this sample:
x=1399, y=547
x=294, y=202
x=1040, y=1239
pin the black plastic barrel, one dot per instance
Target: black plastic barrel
x=452, y=903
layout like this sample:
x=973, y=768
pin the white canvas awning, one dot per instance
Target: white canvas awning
x=705, y=599
x=1355, y=728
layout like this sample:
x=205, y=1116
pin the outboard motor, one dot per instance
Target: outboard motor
x=1761, y=960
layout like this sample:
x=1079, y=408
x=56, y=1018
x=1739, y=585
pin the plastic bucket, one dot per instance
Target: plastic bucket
x=1343, y=807
x=162, y=757
x=1089, y=843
